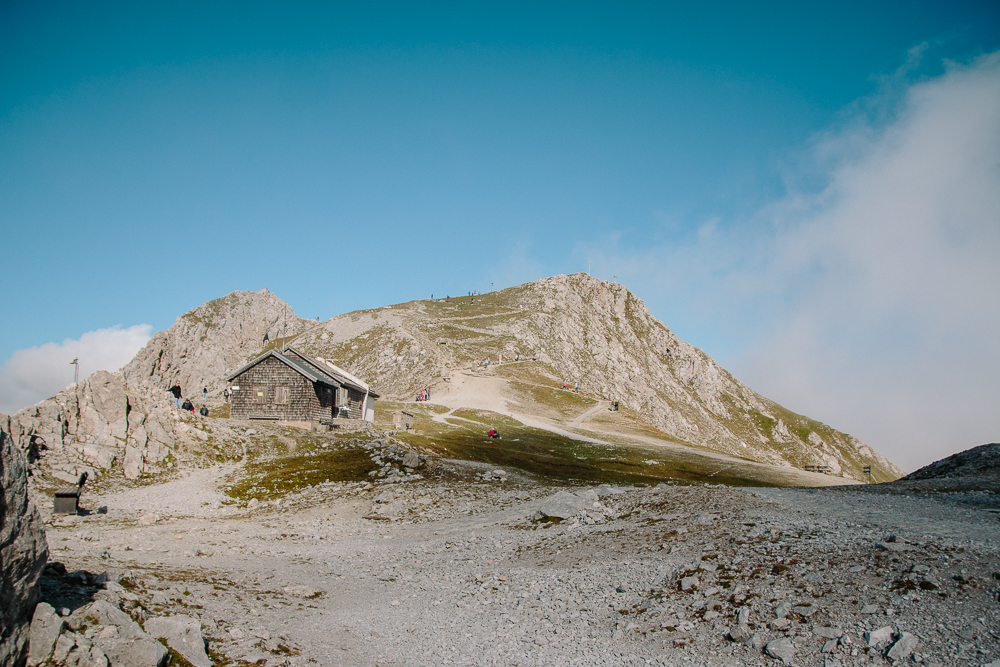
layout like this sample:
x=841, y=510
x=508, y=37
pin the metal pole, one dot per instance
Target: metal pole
x=76, y=370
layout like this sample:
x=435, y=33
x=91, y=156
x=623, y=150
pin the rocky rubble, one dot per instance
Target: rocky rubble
x=95, y=631
x=455, y=571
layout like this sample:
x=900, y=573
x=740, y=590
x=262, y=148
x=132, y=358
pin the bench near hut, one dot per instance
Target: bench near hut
x=291, y=387
x=67, y=499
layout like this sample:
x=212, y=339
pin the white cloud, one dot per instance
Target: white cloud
x=873, y=304
x=36, y=373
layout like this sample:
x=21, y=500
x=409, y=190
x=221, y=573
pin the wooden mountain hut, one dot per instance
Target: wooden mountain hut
x=290, y=386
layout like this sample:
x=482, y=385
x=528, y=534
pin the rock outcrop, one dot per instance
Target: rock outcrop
x=23, y=552
x=215, y=338
x=127, y=420
x=976, y=469
x=98, y=425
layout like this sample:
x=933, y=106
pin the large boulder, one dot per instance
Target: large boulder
x=183, y=634
x=46, y=625
x=23, y=552
x=566, y=504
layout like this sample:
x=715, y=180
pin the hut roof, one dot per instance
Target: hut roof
x=308, y=370
x=339, y=374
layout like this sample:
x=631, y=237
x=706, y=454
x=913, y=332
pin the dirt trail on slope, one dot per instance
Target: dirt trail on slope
x=479, y=392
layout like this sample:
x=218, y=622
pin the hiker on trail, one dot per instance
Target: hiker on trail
x=203, y=412
x=266, y=338
x=565, y=386
x=447, y=299
x=517, y=356
x=176, y=391
x=493, y=434
x=204, y=393
x=187, y=405
x=427, y=394
x=577, y=390
x=225, y=393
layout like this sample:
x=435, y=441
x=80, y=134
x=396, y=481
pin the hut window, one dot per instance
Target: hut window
x=343, y=395
x=281, y=395
x=259, y=391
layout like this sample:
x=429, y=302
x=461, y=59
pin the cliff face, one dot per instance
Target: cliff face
x=602, y=337
x=205, y=344
x=23, y=552
x=99, y=425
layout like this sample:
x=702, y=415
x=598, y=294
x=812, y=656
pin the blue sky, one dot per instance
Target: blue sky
x=155, y=156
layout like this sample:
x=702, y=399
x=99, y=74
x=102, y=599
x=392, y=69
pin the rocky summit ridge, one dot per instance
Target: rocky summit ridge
x=203, y=345
x=575, y=329
x=599, y=336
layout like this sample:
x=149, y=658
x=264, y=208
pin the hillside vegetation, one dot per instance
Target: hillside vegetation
x=595, y=335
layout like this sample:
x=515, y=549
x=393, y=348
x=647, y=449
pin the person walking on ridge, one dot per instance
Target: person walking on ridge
x=176, y=391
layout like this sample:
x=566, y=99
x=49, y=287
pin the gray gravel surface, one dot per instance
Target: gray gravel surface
x=447, y=569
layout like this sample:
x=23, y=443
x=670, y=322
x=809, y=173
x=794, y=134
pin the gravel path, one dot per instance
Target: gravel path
x=460, y=574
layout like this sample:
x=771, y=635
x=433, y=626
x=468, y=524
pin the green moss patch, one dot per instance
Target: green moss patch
x=266, y=478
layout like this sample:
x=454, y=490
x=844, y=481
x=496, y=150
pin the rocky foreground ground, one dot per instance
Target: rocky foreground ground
x=456, y=565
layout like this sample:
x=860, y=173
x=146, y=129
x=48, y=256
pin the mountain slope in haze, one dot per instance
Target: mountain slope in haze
x=585, y=331
x=206, y=343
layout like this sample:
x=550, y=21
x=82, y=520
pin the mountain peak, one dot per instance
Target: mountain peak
x=207, y=341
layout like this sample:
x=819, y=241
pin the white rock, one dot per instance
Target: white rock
x=903, y=647
x=183, y=634
x=45, y=628
x=782, y=649
x=880, y=638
